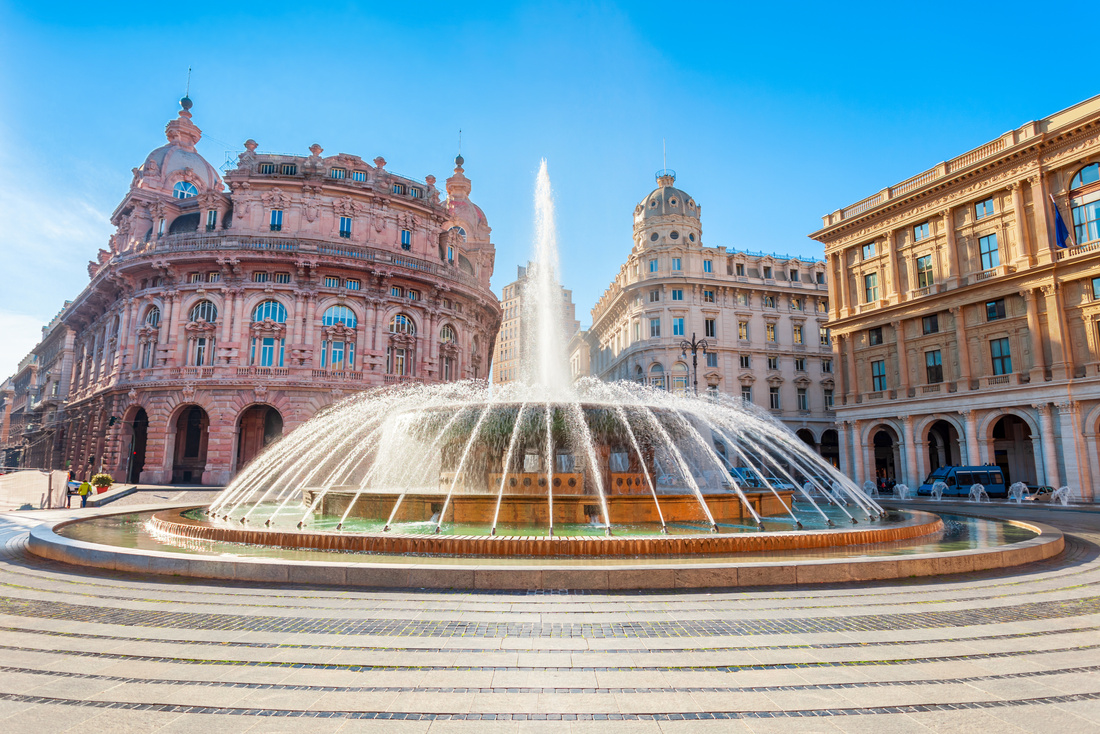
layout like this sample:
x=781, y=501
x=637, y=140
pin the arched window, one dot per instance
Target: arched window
x=639, y=375
x=446, y=334
x=339, y=315
x=657, y=376
x=184, y=190
x=402, y=324
x=679, y=378
x=152, y=317
x=460, y=230
x=270, y=310
x=1085, y=204
x=204, y=311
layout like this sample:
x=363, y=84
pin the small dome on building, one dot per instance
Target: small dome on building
x=666, y=199
x=178, y=160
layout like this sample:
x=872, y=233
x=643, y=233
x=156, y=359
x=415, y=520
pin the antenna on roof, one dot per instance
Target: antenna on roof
x=460, y=141
x=187, y=93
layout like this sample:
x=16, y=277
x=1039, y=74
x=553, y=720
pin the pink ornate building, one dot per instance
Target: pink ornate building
x=227, y=312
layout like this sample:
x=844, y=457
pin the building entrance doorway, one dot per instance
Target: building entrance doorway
x=138, y=438
x=943, y=446
x=259, y=426
x=192, y=435
x=830, y=448
x=885, y=458
x=1013, y=450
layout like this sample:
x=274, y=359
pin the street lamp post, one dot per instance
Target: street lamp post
x=695, y=346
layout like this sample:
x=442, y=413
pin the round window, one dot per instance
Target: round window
x=672, y=202
x=653, y=204
x=653, y=237
x=674, y=235
x=691, y=237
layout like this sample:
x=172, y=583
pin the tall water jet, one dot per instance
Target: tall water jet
x=545, y=362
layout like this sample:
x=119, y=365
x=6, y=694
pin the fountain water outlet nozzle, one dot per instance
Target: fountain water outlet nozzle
x=339, y=526
x=300, y=524
x=855, y=521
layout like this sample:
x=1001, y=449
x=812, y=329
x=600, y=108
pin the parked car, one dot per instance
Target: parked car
x=746, y=477
x=959, y=479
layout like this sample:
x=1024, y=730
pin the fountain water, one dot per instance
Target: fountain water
x=901, y=491
x=1061, y=496
x=539, y=457
x=938, y=488
x=1018, y=491
x=978, y=493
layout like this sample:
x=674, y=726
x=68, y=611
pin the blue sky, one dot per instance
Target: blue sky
x=772, y=115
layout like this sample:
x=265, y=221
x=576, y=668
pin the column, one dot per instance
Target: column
x=842, y=278
x=124, y=340
x=226, y=315
x=952, y=248
x=867, y=449
x=309, y=306
x=1043, y=239
x=896, y=292
x=295, y=335
x=168, y=322
x=843, y=435
x=1056, y=328
x=903, y=359
x=912, y=477
x=1024, y=254
x=1038, y=356
x=963, y=348
x=1074, y=454
x=239, y=331
x=852, y=382
x=1050, y=450
x=970, y=417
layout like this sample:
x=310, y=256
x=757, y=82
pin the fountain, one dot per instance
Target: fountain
x=1018, y=491
x=938, y=488
x=1061, y=496
x=870, y=488
x=901, y=491
x=978, y=493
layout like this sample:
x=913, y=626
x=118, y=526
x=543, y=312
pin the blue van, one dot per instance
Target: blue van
x=959, y=479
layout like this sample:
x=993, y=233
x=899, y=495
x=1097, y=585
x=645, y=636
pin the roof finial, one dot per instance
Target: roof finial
x=186, y=102
x=187, y=93
x=460, y=141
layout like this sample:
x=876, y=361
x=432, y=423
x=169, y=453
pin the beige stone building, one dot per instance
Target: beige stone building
x=964, y=333
x=763, y=316
x=510, y=349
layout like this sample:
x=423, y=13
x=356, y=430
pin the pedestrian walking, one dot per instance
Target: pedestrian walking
x=84, y=490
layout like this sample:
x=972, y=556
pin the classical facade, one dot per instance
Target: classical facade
x=965, y=312
x=229, y=310
x=511, y=348
x=763, y=316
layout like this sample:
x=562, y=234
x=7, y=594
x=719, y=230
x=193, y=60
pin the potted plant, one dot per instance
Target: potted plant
x=102, y=482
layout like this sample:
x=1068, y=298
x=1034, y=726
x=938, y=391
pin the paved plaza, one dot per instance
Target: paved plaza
x=1003, y=651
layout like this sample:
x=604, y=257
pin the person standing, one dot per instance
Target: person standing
x=84, y=490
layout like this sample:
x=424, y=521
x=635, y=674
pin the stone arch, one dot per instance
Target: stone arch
x=925, y=424
x=807, y=436
x=829, y=447
x=874, y=427
x=255, y=427
x=324, y=304
x=135, y=438
x=190, y=300
x=414, y=315
x=190, y=437
x=256, y=299
x=1012, y=444
x=883, y=449
x=987, y=421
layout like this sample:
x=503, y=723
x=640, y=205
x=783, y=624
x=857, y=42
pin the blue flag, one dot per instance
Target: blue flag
x=1061, y=232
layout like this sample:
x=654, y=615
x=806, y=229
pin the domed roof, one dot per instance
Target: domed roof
x=666, y=199
x=465, y=210
x=166, y=165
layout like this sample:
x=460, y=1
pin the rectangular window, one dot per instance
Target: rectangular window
x=1002, y=356
x=654, y=328
x=213, y=277
x=358, y=175
x=413, y=295
x=827, y=366
x=1096, y=289
x=739, y=269
x=637, y=331
x=351, y=285
x=821, y=278
x=677, y=294
x=677, y=327
x=868, y=250
x=160, y=228
x=653, y=265
x=930, y=324
x=1086, y=218
x=211, y=220
x=743, y=330
x=803, y=400
x=742, y=299
x=259, y=277
x=345, y=226
x=796, y=304
x=769, y=332
x=746, y=393
x=195, y=277
x=282, y=277
x=276, y=220
x=712, y=359
x=870, y=287
x=396, y=291
x=339, y=173
x=983, y=209
x=878, y=375
x=823, y=305
x=710, y=329
x=746, y=361
x=933, y=367
x=654, y=295
x=798, y=335
x=414, y=192
x=450, y=254
x=768, y=272
x=800, y=364
x=773, y=397
x=331, y=282
x=823, y=335
x=398, y=188
x=290, y=169
x=828, y=399
x=708, y=266
x=406, y=239
x=676, y=263
x=991, y=254
x=708, y=296
x=924, y=271
x=773, y=363
x=874, y=336
x=920, y=232
x=995, y=310
x=267, y=168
